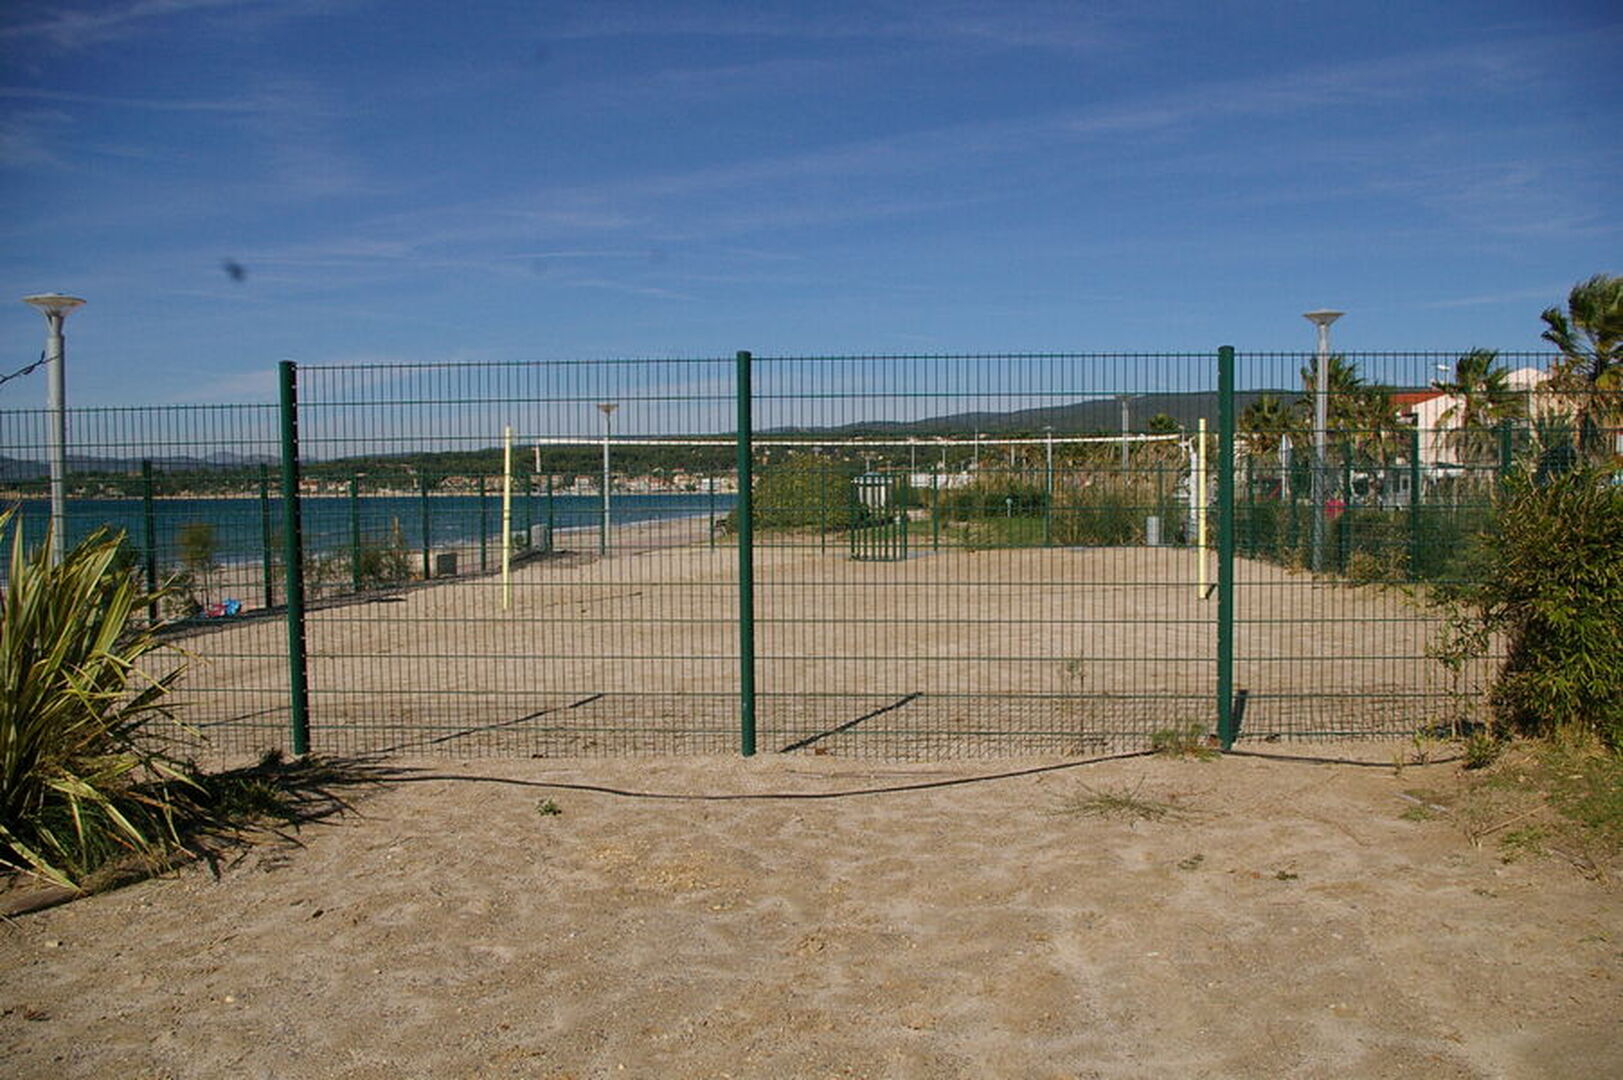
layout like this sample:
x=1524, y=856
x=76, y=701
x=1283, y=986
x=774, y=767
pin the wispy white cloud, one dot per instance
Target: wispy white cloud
x=27, y=138
x=259, y=384
x=179, y=105
x=1046, y=24
x=83, y=28
x=1550, y=293
x=74, y=28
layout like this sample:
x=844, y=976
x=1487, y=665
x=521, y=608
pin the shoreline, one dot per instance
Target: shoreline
x=243, y=580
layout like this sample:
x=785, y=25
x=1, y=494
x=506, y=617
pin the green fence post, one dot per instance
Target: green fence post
x=1225, y=547
x=150, y=538
x=266, y=537
x=293, y=557
x=355, y=534
x=1506, y=451
x=1414, y=503
x=746, y=564
x=484, y=525
x=422, y=483
x=550, y=533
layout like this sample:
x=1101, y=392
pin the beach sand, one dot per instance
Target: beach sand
x=1282, y=919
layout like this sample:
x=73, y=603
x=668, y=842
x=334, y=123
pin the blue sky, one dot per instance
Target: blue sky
x=401, y=180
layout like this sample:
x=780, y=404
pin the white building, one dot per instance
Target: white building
x=1437, y=414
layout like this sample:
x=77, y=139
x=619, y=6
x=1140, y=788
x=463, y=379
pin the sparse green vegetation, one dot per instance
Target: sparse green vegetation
x=387, y=563
x=1556, y=798
x=1186, y=740
x=1128, y=804
x=1481, y=750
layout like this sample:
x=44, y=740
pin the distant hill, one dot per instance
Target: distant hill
x=1097, y=415
x=25, y=469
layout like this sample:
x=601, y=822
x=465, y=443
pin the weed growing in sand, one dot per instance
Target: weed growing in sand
x=548, y=808
x=1517, y=843
x=1481, y=750
x=1185, y=740
x=1420, y=812
x=1124, y=804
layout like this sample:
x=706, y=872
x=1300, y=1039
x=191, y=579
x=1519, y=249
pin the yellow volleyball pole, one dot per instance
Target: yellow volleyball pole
x=1200, y=506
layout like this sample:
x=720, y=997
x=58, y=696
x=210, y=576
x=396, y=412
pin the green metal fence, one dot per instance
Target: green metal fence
x=897, y=556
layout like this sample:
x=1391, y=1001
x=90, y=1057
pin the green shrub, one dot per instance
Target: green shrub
x=388, y=563
x=80, y=780
x=994, y=497
x=805, y=490
x=1553, y=584
x=198, y=547
x=1104, y=515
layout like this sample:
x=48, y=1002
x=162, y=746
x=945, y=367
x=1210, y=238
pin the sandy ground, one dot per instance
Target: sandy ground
x=949, y=654
x=1285, y=920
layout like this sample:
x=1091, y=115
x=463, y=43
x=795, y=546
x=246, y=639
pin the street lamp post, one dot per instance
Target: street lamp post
x=607, y=408
x=1321, y=421
x=1048, y=484
x=55, y=308
x=1125, y=425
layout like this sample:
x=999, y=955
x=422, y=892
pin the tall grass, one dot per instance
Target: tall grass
x=81, y=781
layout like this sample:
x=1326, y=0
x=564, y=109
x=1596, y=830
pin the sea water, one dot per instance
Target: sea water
x=244, y=526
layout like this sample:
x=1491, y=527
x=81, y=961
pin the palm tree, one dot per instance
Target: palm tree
x=1264, y=421
x=1484, y=398
x=1360, y=414
x=1590, y=336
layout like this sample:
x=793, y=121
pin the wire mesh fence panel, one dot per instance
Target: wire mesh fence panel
x=964, y=556
x=554, y=591
x=945, y=555
x=1354, y=515
x=193, y=492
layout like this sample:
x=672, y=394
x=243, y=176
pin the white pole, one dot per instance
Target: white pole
x=1124, y=426
x=1321, y=421
x=55, y=308
x=507, y=517
x=1199, y=496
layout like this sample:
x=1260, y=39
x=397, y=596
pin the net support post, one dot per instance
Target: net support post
x=1227, y=714
x=746, y=563
x=293, y=560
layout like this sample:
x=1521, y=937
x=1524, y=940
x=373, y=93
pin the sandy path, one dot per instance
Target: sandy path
x=1292, y=925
